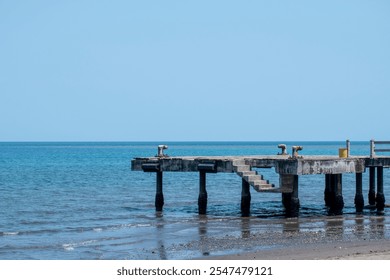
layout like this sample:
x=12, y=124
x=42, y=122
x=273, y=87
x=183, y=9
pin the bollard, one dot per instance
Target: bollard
x=160, y=150
x=295, y=150
x=284, y=149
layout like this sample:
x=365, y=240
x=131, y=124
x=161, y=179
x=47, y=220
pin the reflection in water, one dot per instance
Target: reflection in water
x=204, y=249
x=245, y=227
x=160, y=236
x=377, y=228
x=291, y=226
x=334, y=226
x=359, y=226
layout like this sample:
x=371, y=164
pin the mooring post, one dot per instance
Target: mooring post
x=245, y=199
x=202, y=199
x=337, y=201
x=159, y=202
x=380, y=197
x=371, y=191
x=328, y=190
x=359, y=200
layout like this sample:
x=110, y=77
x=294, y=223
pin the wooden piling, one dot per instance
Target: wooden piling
x=380, y=197
x=371, y=191
x=159, y=201
x=202, y=199
x=245, y=199
x=359, y=200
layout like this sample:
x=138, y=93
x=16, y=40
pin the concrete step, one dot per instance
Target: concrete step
x=258, y=181
x=266, y=188
x=246, y=173
x=239, y=162
x=253, y=177
x=241, y=168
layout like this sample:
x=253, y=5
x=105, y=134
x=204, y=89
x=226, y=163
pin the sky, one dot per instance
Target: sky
x=194, y=70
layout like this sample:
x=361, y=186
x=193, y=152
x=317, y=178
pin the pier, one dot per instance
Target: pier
x=288, y=167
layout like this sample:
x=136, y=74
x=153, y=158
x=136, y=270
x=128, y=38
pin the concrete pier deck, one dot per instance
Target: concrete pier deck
x=283, y=164
x=289, y=169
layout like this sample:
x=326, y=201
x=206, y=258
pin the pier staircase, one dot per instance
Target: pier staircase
x=254, y=179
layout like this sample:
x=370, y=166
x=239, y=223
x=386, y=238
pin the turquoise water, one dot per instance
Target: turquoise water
x=82, y=201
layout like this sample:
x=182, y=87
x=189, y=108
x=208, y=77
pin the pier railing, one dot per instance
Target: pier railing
x=373, y=148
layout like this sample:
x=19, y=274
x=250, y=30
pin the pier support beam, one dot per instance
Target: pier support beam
x=328, y=190
x=371, y=192
x=245, y=199
x=159, y=201
x=359, y=200
x=337, y=202
x=380, y=197
x=290, y=200
x=202, y=199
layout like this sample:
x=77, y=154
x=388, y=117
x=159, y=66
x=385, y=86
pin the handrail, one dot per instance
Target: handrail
x=373, y=149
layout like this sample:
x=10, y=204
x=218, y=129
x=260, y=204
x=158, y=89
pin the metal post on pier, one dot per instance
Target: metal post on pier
x=245, y=199
x=372, y=148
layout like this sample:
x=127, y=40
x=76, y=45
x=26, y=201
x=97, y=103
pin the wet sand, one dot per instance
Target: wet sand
x=358, y=250
x=320, y=237
x=357, y=237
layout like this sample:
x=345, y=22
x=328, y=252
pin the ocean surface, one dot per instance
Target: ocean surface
x=75, y=200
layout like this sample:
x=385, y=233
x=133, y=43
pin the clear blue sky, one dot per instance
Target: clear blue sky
x=194, y=70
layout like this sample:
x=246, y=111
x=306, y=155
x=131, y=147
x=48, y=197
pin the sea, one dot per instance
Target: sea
x=80, y=200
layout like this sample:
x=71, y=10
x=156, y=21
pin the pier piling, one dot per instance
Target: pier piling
x=159, y=201
x=245, y=199
x=371, y=191
x=328, y=190
x=359, y=200
x=337, y=201
x=290, y=200
x=202, y=199
x=380, y=197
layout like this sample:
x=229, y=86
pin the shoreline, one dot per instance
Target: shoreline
x=355, y=250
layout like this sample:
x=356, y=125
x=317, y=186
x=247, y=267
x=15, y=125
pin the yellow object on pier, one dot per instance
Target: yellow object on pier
x=343, y=152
